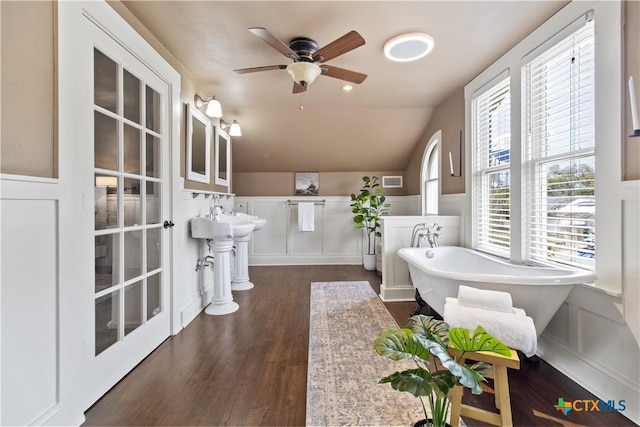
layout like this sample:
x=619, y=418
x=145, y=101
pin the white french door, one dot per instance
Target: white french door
x=129, y=233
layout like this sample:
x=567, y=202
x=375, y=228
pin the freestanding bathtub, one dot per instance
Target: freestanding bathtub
x=437, y=273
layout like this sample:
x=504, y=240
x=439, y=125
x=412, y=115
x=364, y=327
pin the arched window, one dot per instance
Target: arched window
x=430, y=188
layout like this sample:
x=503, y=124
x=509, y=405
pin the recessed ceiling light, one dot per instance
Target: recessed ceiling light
x=408, y=46
x=347, y=88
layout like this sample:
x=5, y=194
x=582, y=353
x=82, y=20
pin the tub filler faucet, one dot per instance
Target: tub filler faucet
x=431, y=231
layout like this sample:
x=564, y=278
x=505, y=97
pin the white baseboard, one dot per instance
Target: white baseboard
x=195, y=304
x=266, y=260
x=587, y=375
x=396, y=294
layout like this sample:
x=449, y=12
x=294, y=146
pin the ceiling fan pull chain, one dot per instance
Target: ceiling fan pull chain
x=301, y=100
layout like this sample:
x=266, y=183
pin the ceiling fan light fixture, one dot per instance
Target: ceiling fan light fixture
x=304, y=73
x=408, y=46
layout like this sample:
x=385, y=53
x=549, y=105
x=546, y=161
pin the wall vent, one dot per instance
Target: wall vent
x=392, y=181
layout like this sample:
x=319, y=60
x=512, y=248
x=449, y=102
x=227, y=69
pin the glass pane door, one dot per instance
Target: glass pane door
x=128, y=190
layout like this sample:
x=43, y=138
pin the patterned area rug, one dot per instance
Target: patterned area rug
x=344, y=369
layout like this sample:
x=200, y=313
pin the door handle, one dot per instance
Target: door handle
x=168, y=224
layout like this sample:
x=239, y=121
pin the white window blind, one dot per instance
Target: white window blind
x=431, y=182
x=558, y=109
x=491, y=118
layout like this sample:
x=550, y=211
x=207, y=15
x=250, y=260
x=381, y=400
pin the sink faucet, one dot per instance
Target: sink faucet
x=214, y=211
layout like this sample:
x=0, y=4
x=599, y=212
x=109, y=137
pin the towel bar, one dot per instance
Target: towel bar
x=315, y=202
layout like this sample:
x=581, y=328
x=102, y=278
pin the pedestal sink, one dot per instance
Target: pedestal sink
x=241, y=280
x=221, y=232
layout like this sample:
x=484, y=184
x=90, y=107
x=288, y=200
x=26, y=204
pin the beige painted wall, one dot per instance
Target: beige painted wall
x=28, y=88
x=329, y=183
x=631, y=148
x=28, y=143
x=189, y=88
x=449, y=118
x=28, y=114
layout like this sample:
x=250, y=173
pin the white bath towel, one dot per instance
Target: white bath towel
x=516, y=330
x=486, y=299
x=306, y=218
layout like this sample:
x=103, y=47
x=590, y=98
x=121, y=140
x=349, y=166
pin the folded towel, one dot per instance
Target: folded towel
x=305, y=216
x=516, y=329
x=486, y=299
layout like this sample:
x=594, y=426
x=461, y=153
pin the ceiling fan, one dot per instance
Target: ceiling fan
x=306, y=55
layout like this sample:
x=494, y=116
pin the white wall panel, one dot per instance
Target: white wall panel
x=30, y=357
x=396, y=234
x=272, y=239
x=335, y=239
x=306, y=242
x=341, y=237
x=592, y=346
x=631, y=264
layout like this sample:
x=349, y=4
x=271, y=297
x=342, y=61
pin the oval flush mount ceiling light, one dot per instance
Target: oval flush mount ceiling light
x=408, y=46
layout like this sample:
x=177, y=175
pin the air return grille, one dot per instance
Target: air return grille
x=392, y=181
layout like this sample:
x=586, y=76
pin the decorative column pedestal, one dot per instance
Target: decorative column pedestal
x=241, y=271
x=222, y=301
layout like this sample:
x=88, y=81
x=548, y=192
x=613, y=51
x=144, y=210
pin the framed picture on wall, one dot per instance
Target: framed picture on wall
x=306, y=183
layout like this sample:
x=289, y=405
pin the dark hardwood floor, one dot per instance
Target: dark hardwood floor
x=249, y=368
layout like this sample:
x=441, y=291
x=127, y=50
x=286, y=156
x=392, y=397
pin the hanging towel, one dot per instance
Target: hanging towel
x=516, y=329
x=305, y=216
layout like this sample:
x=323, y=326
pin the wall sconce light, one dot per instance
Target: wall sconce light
x=214, y=108
x=451, y=160
x=234, y=127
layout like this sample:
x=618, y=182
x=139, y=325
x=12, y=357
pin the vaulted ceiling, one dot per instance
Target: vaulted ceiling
x=374, y=127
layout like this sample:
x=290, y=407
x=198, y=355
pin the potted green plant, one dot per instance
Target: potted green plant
x=426, y=341
x=368, y=206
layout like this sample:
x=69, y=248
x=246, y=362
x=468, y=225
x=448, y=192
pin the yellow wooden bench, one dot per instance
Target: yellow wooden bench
x=501, y=385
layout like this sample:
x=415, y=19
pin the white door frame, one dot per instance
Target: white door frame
x=75, y=122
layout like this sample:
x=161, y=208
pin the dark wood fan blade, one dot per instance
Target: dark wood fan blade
x=298, y=88
x=256, y=69
x=274, y=42
x=342, y=74
x=344, y=44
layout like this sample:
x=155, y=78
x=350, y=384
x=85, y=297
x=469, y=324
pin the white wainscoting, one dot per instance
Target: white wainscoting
x=593, y=339
x=396, y=233
x=335, y=240
x=30, y=312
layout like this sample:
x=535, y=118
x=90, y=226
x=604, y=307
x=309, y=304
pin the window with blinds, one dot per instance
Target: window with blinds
x=432, y=182
x=559, y=155
x=491, y=126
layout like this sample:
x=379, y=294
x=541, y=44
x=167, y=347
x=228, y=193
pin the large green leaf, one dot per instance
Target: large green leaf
x=417, y=381
x=430, y=328
x=398, y=344
x=480, y=341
